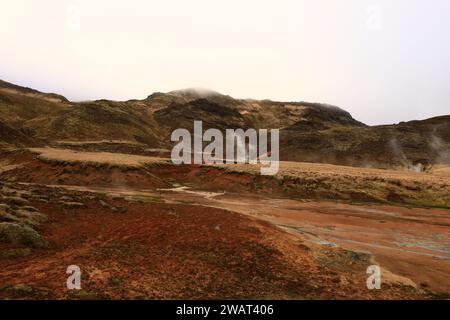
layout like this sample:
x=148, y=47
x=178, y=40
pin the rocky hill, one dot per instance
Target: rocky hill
x=310, y=132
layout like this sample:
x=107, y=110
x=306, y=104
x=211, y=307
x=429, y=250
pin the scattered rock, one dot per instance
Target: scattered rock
x=15, y=253
x=73, y=205
x=115, y=281
x=84, y=295
x=22, y=289
x=104, y=204
x=29, y=208
x=25, y=291
x=4, y=207
x=172, y=212
x=43, y=199
x=7, y=217
x=16, y=201
x=19, y=234
x=122, y=209
x=35, y=218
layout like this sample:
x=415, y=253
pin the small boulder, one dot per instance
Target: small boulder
x=104, y=204
x=29, y=208
x=43, y=199
x=122, y=209
x=19, y=234
x=72, y=205
x=18, y=201
x=7, y=217
x=66, y=199
x=4, y=207
x=34, y=218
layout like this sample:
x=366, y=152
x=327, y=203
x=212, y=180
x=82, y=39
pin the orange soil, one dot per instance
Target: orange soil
x=232, y=246
x=177, y=251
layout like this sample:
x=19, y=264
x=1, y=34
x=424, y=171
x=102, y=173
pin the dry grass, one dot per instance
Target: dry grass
x=72, y=142
x=5, y=166
x=354, y=184
x=441, y=170
x=42, y=96
x=73, y=156
x=439, y=175
x=295, y=169
x=318, y=181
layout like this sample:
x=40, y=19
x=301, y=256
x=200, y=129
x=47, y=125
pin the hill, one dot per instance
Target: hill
x=311, y=132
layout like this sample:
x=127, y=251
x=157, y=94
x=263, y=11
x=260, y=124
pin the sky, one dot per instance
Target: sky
x=384, y=61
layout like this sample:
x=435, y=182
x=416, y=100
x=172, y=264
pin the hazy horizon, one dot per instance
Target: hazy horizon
x=384, y=62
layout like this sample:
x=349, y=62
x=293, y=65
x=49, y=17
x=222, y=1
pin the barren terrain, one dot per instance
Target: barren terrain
x=91, y=184
x=140, y=227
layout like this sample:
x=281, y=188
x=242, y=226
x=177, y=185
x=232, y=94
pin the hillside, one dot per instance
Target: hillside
x=310, y=132
x=91, y=183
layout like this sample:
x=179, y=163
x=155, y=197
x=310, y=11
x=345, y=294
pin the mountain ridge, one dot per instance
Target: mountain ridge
x=311, y=132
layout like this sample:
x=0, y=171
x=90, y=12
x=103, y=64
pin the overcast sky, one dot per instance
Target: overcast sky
x=382, y=60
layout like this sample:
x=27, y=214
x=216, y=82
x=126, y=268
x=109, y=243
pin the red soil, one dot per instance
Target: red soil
x=178, y=251
x=203, y=248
